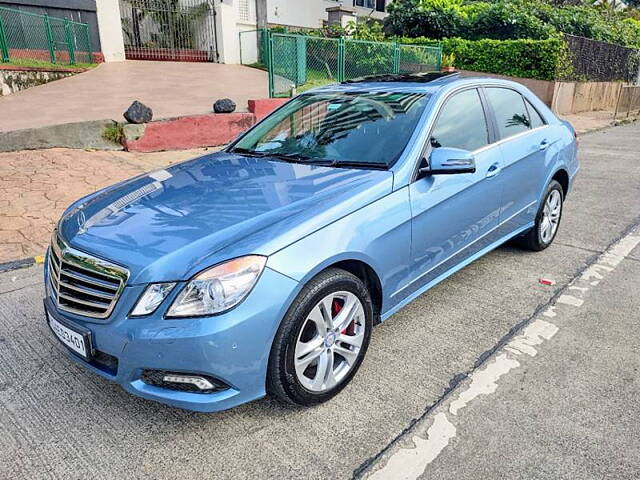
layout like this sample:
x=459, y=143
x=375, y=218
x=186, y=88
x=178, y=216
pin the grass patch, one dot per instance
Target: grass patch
x=316, y=78
x=114, y=133
x=28, y=63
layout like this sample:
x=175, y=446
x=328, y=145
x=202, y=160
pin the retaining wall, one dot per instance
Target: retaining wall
x=566, y=98
x=16, y=79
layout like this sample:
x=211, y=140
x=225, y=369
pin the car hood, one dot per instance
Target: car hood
x=169, y=224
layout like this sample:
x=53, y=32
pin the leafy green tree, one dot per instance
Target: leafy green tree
x=429, y=18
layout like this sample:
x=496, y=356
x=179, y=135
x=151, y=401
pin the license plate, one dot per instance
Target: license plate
x=76, y=341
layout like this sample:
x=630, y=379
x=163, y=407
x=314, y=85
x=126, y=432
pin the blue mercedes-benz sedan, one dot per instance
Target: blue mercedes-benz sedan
x=262, y=269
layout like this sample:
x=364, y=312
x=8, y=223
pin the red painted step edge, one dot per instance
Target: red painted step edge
x=263, y=107
x=195, y=131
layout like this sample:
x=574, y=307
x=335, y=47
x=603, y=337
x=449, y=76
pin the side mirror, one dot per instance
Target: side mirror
x=449, y=161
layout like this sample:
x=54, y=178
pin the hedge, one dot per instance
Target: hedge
x=513, y=19
x=542, y=59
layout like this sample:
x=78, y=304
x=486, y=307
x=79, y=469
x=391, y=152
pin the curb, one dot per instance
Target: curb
x=23, y=263
x=188, y=131
x=87, y=134
x=612, y=124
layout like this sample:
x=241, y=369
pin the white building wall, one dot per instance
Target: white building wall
x=299, y=13
x=235, y=16
x=110, y=30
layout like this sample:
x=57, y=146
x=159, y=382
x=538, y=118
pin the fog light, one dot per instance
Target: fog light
x=183, y=381
x=200, y=382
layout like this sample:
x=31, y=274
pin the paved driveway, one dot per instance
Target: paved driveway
x=59, y=421
x=170, y=88
x=37, y=185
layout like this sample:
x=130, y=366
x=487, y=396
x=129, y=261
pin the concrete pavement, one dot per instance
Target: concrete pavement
x=171, y=89
x=559, y=400
x=60, y=421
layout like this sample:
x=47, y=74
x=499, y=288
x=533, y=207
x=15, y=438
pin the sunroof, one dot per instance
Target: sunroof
x=407, y=78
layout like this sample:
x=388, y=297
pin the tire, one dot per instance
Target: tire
x=538, y=238
x=309, y=363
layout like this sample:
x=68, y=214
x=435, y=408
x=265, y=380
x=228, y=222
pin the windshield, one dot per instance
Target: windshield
x=363, y=129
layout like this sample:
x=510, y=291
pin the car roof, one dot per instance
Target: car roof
x=429, y=82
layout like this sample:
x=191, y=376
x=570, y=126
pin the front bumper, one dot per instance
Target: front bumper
x=232, y=347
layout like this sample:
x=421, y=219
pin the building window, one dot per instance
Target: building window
x=243, y=10
x=378, y=5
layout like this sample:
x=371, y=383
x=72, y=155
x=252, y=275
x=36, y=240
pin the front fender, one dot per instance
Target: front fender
x=378, y=235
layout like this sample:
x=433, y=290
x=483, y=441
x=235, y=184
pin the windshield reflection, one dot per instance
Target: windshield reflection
x=368, y=128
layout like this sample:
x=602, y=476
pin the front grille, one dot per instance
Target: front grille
x=81, y=283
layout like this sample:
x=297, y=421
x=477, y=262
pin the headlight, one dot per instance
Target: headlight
x=219, y=288
x=153, y=296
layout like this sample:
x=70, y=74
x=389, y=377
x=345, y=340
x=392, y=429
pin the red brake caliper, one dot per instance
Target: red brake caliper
x=335, y=309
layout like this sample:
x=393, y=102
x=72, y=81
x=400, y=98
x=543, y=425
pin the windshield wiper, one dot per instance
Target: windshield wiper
x=299, y=158
x=356, y=164
x=288, y=157
x=248, y=153
x=296, y=157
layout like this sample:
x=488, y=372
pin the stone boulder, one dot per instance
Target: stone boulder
x=138, y=112
x=224, y=105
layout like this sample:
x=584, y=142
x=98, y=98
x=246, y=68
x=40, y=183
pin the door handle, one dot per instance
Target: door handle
x=493, y=170
x=544, y=145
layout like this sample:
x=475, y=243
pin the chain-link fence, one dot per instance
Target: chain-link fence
x=299, y=62
x=602, y=62
x=30, y=38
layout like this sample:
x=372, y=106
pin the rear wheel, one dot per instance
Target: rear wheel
x=547, y=219
x=322, y=340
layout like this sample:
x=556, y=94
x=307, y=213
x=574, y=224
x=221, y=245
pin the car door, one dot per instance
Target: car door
x=524, y=141
x=454, y=216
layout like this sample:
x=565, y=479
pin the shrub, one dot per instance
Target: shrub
x=542, y=59
x=509, y=19
x=506, y=21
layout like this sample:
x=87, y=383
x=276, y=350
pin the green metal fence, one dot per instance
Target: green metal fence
x=29, y=37
x=298, y=62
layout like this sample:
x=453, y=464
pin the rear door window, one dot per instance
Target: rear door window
x=534, y=116
x=511, y=113
x=461, y=123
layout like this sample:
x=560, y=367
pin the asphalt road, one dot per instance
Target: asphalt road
x=569, y=411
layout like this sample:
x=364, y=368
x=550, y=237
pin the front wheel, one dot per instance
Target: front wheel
x=322, y=340
x=547, y=219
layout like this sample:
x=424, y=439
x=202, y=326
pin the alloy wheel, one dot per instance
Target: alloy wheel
x=330, y=341
x=550, y=216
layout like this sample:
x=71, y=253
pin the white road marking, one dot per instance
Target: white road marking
x=570, y=300
x=411, y=462
x=534, y=334
x=484, y=382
